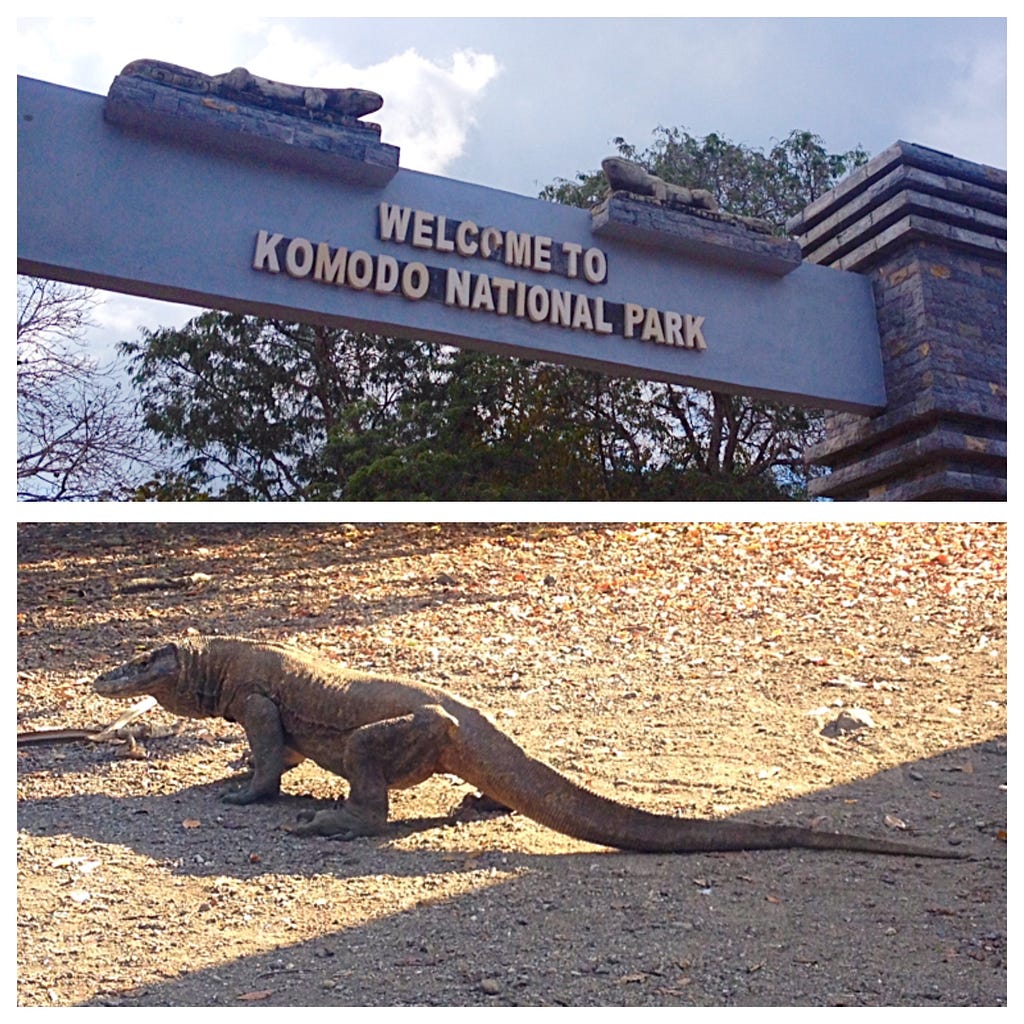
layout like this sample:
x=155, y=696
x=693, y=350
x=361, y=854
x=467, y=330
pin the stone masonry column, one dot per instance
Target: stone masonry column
x=930, y=231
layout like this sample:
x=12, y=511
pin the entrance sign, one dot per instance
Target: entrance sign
x=277, y=223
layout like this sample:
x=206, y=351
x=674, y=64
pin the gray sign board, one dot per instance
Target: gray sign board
x=291, y=233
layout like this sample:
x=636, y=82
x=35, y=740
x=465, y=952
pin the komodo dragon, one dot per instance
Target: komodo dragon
x=381, y=733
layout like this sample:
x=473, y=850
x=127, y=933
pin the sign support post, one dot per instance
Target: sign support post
x=929, y=231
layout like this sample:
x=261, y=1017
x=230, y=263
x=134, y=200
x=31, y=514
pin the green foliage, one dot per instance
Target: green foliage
x=248, y=405
x=252, y=409
x=747, y=181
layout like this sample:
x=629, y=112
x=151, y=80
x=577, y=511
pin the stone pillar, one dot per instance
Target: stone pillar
x=930, y=231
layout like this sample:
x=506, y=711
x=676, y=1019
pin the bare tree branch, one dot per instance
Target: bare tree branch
x=79, y=437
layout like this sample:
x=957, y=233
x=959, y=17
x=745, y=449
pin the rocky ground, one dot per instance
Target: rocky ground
x=693, y=670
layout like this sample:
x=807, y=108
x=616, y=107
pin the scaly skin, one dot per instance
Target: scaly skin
x=381, y=733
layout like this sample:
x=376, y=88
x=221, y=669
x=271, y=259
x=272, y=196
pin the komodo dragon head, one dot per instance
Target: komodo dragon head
x=155, y=672
x=175, y=674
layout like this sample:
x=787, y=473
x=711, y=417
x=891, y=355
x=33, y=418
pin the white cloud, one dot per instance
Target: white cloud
x=87, y=53
x=429, y=108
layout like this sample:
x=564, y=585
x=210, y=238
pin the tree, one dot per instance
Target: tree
x=773, y=186
x=510, y=429
x=268, y=410
x=78, y=436
x=246, y=406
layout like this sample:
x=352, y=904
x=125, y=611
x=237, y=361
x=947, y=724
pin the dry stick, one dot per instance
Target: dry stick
x=95, y=735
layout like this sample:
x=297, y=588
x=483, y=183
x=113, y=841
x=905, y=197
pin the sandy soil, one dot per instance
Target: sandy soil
x=686, y=669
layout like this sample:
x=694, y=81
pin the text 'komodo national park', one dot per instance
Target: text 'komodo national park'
x=481, y=292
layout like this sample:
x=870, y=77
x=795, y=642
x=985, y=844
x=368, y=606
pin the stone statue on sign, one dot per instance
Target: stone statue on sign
x=242, y=86
x=628, y=176
x=349, y=102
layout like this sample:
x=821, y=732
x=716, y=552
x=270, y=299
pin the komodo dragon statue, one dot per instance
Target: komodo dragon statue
x=629, y=176
x=239, y=83
x=384, y=733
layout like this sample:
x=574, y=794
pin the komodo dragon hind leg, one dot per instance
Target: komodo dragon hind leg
x=393, y=754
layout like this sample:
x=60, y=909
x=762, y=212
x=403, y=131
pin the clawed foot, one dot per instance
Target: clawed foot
x=334, y=823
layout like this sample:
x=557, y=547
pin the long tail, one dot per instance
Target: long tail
x=487, y=758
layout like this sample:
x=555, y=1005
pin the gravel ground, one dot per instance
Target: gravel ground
x=686, y=669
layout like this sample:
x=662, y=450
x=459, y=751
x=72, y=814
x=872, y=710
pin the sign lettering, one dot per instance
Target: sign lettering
x=480, y=292
x=458, y=289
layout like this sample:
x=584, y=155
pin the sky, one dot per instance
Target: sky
x=516, y=103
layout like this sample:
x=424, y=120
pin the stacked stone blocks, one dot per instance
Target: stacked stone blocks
x=930, y=230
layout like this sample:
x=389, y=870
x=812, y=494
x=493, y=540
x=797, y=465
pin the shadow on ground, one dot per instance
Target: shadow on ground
x=473, y=923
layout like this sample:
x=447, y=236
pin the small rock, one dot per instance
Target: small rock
x=491, y=986
x=849, y=721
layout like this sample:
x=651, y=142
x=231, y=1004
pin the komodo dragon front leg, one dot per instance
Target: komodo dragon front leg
x=391, y=754
x=270, y=755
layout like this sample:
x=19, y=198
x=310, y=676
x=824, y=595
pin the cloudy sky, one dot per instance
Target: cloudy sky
x=516, y=103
